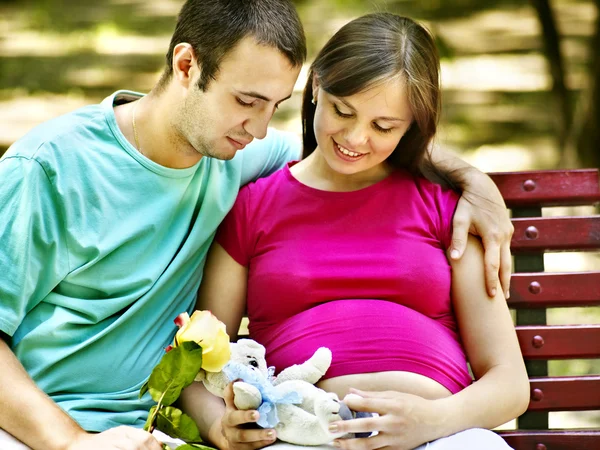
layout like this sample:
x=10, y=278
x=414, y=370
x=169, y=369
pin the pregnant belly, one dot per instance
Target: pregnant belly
x=406, y=382
x=376, y=345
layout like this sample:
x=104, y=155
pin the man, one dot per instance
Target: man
x=110, y=210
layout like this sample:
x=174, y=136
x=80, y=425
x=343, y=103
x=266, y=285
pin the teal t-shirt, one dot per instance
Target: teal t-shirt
x=101, y=248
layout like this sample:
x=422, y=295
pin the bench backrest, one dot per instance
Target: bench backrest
x=533, y=291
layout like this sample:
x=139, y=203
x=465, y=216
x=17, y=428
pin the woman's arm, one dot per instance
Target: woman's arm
x=223, y=289
x=223, y=292
x=499, y=394
x=501, y=390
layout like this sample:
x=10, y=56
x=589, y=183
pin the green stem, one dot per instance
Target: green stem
x=155, y=415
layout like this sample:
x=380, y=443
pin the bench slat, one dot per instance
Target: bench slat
x=556, y=234
x=559, y=341
x=553, y=440
x=548, y=187
x=550, y=290
x=565, y=393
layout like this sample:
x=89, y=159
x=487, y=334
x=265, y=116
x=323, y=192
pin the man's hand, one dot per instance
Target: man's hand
x=120, y=438
x=481, y=211
x=238, y=427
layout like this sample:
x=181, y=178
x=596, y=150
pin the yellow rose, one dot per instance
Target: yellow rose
x=209, y=333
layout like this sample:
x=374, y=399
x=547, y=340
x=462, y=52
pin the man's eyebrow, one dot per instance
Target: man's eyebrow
x=389, y=119
x=262, y=97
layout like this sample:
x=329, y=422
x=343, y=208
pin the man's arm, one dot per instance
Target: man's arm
x=50, y=428
x=481, y=211
x=31, y=251
x=33, y=418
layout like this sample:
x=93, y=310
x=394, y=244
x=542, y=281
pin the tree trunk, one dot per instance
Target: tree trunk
x=560, y=93
x=588, y=137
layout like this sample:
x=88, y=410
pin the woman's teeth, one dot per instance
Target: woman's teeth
x=347, y=152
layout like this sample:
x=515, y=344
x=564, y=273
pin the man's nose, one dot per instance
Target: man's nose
x=257, y=125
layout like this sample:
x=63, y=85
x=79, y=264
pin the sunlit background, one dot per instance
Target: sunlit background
x=517, y=94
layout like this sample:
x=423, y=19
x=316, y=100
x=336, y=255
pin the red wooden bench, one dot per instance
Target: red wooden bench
x=533, y=291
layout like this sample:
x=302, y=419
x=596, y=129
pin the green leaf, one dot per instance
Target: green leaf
x=176, y=424
x=175, y=371
x=150, y=419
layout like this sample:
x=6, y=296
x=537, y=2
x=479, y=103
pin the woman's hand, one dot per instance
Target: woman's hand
x=405, y=421
x=482, y=212
x=239, y=428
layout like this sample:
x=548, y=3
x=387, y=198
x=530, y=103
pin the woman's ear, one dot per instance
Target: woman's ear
x=315, y=88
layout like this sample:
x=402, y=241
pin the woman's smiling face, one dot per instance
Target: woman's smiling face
x=356, y=134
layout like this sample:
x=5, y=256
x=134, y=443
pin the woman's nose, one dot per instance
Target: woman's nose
x=356, y=136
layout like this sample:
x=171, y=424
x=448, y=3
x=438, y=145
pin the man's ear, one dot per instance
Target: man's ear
x=185, y=64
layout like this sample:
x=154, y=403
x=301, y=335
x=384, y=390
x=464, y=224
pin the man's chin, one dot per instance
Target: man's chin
x=224, y=155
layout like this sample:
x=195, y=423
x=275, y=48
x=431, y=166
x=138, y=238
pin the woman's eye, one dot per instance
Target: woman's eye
x=339, y=113
x=381, y=129
x=243, y=103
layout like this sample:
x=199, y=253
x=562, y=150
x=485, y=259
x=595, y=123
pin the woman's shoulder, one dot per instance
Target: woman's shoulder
x=429, y=198
x=420, y=185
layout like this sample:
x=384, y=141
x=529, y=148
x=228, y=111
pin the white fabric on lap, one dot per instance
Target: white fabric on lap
x=8, y=442
x=285, y=446
x=165, y=439
x=473, y=439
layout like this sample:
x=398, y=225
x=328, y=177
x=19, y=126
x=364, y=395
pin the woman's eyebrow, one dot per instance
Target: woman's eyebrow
x=386, y=118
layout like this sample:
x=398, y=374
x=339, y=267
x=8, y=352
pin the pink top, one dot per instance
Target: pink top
x=363, y=273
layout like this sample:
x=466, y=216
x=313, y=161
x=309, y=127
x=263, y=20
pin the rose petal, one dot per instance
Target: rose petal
x=182, y=319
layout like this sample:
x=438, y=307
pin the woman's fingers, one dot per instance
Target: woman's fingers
x=376, y=442
x=365, y=425
x=240, y=428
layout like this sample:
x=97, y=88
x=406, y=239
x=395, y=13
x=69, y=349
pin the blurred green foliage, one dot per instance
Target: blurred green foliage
x=68, y=46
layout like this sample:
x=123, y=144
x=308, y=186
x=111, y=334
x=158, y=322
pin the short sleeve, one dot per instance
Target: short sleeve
x=33, y=254
x=235, y=232
x=446, y=200
x=265, y=156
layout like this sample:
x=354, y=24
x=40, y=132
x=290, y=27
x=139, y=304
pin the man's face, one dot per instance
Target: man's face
x=251, y=82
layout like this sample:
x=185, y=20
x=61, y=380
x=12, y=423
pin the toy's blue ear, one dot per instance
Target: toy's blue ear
x=235, y=370
x=345, y=412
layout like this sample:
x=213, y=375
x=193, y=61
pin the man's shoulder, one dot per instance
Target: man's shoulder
x=263, y=157
x=58, y=133
x=276, y=141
